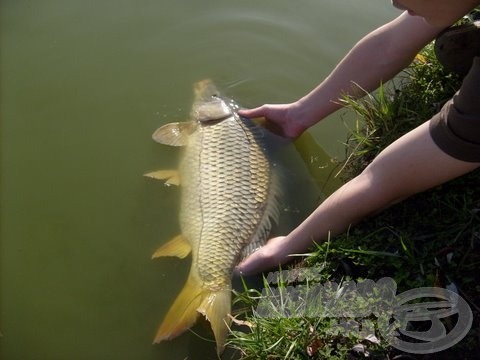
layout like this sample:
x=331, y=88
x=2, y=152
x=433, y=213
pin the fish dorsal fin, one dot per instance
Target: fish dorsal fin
x=174, y=134
x=270, y=217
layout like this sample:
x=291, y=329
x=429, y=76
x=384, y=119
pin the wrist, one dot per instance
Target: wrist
x=305, y=114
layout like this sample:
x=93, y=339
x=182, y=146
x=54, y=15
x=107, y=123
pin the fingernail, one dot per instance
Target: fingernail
x=237, y=271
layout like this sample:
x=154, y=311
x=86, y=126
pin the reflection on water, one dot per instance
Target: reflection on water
x=83, y=85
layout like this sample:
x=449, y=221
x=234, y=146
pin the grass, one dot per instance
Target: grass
x=413, y=97
x=430, y=239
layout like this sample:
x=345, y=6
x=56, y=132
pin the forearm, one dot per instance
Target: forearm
x=410, y=165
x=374, y=59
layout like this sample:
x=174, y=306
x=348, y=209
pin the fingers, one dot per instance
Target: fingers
x=267, y=257
x=273, y=114
x=253, y=264
x=252, y=113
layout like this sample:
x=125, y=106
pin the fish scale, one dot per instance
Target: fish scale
x=228, y=199
x=229, y=194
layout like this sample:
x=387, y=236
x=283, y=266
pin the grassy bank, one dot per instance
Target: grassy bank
x=429, y=240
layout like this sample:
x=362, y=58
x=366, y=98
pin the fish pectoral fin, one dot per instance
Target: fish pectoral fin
x=178, y=247
x=172, y=177
x=174, y=134
x=183, y=313
x=216, y=308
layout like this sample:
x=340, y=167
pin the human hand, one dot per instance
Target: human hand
x=269, y=256
x=282, y=116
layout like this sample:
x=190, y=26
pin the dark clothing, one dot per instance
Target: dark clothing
x=457, y=46
x=456, y=128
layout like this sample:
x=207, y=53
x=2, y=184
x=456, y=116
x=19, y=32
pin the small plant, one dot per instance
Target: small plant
x=306, y=320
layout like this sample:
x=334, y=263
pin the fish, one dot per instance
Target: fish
x=229, y=201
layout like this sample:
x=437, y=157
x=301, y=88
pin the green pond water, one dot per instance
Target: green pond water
x=83, y=84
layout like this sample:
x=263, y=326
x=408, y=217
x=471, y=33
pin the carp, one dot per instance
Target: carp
x=229, y=201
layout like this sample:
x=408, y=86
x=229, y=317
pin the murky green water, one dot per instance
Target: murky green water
x=83, y=84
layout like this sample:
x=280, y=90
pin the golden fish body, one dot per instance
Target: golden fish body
x=227, y=204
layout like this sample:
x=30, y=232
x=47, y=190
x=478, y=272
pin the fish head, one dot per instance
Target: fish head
x=208, y=106
x=214, y=110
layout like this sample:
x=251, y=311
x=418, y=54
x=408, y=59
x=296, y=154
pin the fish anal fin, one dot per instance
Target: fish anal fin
x=178, y=247
x=174, y=134
x=183, y=313
x=172, y=177
x=216, y=308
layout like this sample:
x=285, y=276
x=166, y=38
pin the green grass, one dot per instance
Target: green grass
x=413, y=97
x=280, y=329
x=430, y=239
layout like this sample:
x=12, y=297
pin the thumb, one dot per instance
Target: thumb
x=269, y=256
x=253, y=264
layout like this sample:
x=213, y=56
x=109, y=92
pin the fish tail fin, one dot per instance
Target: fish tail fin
x=192, y=301
x=216, y=308
x=183, y=313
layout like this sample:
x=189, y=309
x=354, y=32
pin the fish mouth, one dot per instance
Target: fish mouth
x=205, y=90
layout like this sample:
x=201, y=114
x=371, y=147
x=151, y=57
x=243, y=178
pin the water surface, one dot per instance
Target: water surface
x=83, y=84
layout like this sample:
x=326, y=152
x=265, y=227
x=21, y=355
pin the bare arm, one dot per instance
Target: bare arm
x=377, y=57
x=374, y=59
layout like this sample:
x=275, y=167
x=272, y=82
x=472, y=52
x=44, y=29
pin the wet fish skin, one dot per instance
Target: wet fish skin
x=228, y=202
